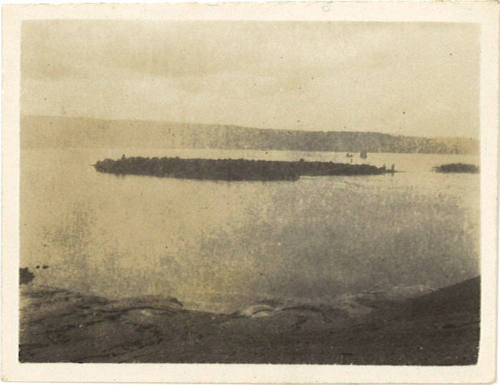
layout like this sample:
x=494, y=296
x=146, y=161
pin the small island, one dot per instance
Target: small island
x=457, y=167
x=232, y=169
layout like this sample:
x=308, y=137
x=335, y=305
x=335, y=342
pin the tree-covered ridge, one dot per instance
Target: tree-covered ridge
x=63, y=132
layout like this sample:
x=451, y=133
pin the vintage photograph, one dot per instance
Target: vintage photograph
x=250, y=192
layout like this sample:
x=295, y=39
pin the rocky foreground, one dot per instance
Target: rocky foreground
x=438, y=328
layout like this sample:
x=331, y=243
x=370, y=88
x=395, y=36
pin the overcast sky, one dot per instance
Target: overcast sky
x=410, y=79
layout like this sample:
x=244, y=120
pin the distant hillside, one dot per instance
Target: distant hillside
x=62, y=132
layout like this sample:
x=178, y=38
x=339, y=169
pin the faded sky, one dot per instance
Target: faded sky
x=411, y=79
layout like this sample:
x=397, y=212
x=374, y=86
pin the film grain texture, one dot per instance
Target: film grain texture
x=249, y=192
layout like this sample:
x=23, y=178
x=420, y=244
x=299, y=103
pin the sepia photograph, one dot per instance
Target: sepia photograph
x=224, y=191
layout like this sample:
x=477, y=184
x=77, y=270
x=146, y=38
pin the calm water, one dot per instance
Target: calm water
x=223, y=245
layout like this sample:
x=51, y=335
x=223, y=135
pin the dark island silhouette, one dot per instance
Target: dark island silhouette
x=457, y=167
x=232, y=169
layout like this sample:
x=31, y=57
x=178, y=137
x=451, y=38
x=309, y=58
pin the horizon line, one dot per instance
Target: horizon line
x=241, y=126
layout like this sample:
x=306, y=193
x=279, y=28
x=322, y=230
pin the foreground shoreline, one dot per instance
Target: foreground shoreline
x=439, y=328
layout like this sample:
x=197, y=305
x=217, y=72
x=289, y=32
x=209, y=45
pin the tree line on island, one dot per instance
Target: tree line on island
x=231, y=169
x=457, y=168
